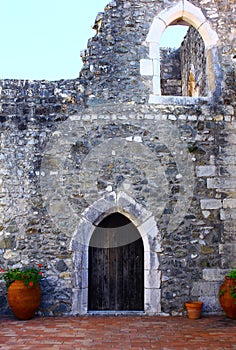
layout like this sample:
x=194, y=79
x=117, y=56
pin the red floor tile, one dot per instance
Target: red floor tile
x=118, y=333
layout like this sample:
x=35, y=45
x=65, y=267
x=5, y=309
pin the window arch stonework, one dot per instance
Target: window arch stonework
x=193, y=15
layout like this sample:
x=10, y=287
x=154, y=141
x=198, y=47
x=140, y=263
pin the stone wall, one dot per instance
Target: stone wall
x=176, y=65
x=193, y=58
x=66, y=146
x=170, y=72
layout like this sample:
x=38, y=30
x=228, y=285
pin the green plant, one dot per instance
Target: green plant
x=232, y=274
x=30, y=276
x=233, y=292
x=222, y=292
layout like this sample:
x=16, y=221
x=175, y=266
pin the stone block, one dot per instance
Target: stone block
x=192, y=14
x=92, y=214
x=213, y=275
x=211, y=305
x=80, y=258
x=156, y=30
x=154, y=51
x=79, y=301
x=229, y=203
x=154, y=243
x=211, y=204
x=152, y=301
x=152, y=279
x=228, y=149
x=151, y=261
x=149, y=227
x=156, y=68
x=11, y=255
x=221, y=183
x=209, y=36
x=106, y=204
x=230, y=170
x=170, y=14
x=6, y=242
x=229, y=252
x=135, y=210
x=146, y=67
x=82, y=234
x=156, y=85
x=175, y=100
x=206, y=213
x=229, y=160
x=228, y=214
x=205, y=170
x=202, y=289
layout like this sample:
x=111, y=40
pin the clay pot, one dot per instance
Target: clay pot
x=194, y=309
x=227, y=301
x=23, y=300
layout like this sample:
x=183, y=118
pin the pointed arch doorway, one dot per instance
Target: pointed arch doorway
x=116, y=266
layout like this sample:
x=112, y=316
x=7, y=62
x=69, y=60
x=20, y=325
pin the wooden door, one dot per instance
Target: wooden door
x=116, y=266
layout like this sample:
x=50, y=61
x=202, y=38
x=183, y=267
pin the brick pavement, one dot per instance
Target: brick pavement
x=118, y=332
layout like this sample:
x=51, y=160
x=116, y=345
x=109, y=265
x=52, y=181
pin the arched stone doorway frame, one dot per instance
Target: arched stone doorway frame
x=187, y=12
x=145, y=224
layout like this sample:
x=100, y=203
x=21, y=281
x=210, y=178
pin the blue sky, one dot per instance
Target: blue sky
x=42, y=39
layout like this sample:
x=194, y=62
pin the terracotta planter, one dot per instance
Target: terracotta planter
x=194, y=309
x=23, y=300
x=227, y=301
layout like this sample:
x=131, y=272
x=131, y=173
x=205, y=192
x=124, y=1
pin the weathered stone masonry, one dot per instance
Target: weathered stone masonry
x=74, y=151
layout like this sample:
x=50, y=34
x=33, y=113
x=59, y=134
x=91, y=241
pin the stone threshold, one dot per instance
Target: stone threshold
x=115, y=313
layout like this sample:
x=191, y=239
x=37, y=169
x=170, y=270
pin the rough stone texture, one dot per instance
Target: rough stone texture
x=170, y=74
x=193, y=57
x=176, y=65
x=70, y=147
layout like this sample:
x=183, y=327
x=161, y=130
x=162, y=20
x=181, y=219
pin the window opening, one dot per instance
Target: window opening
x=200, y=38
x=182, y=62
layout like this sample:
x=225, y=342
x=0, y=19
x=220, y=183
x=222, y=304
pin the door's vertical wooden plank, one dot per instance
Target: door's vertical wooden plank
x=105, y=278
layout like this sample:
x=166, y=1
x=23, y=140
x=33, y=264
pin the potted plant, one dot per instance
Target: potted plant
x=194, y=309
x=227, y=294
x=23, y=290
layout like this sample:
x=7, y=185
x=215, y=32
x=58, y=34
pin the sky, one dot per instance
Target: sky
x=42, y=39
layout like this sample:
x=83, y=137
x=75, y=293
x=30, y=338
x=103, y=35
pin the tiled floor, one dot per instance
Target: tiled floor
x=120, y=332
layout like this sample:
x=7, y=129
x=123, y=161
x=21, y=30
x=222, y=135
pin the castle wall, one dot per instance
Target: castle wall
x=66, y=146
x=193, y=55
x=170, y=72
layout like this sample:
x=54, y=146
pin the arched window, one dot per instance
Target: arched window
x=205, y=41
